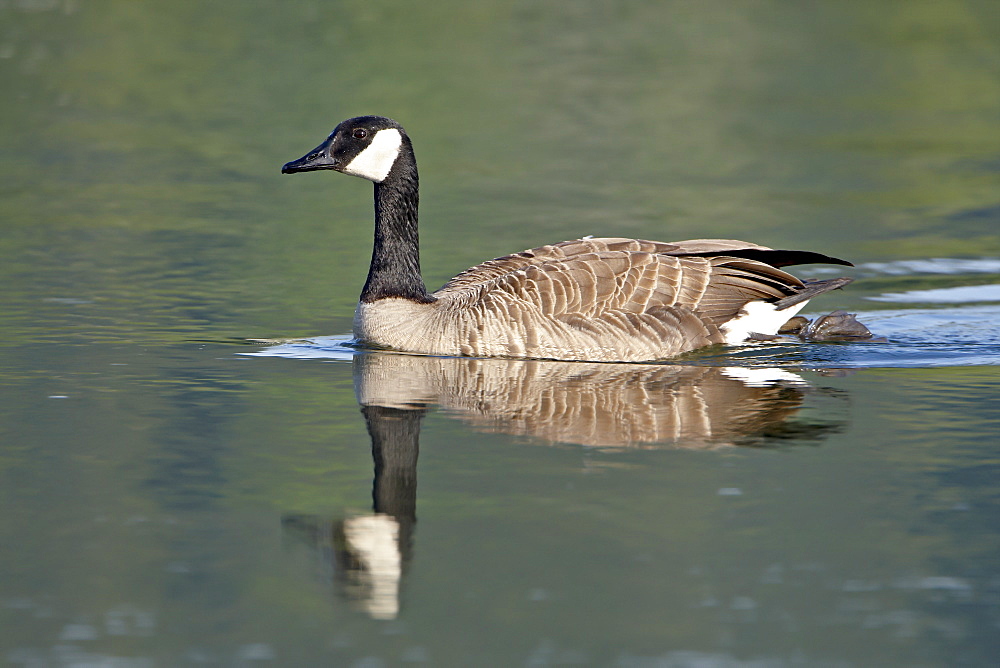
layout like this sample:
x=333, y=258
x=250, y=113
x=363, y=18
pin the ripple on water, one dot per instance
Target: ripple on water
x=920, y=337
x=935, y=265
x=334, y=348
x=960, y=295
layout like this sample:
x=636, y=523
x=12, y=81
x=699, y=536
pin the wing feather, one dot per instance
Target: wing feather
x=680, y=291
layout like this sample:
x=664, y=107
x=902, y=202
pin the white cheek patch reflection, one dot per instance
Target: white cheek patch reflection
x=374, y=162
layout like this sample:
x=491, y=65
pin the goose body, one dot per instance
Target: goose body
x=596, y=299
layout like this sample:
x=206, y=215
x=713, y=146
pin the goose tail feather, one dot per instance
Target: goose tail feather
x=811, y=289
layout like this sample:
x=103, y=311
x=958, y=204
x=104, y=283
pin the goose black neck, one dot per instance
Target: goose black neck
x=395, y=268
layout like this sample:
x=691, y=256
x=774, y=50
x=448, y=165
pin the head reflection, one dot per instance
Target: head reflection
x=595, y=405
x=367, y=553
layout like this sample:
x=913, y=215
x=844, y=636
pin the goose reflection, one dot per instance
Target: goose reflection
x=590, y=404
x=596, y=405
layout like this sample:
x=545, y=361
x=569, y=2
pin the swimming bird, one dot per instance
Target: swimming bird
x=594, y=299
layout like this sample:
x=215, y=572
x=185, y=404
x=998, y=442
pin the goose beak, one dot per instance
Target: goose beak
x=318, y=158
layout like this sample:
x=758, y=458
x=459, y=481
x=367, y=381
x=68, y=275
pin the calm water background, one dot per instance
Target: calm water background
x=170, y=500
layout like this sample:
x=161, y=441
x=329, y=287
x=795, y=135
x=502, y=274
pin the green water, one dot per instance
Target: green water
x=169, y=500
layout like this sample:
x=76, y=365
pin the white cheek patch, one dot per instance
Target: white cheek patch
x=759, y=318
x=374, y=162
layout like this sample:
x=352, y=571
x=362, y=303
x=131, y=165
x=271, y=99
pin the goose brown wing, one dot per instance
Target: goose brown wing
x=501, y=266
x=492, y=269
x=596, y=278
x=736, y=281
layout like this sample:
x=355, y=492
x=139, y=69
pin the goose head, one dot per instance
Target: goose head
x=366, y=146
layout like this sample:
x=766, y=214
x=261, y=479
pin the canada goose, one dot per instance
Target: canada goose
x=597, y=299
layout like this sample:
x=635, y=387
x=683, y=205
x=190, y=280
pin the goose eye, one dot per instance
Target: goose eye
x=360, y=133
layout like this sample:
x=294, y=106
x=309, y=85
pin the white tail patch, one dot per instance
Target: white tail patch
x=374, y=162
x=758, y=318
